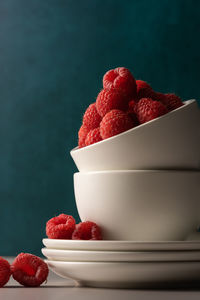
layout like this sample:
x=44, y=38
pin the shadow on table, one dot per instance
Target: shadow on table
x=178, y=286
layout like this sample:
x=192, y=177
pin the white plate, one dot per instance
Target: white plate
x=117, y=256
x=129, y=275
x=121, y=245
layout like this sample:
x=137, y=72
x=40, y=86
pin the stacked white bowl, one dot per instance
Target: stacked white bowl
x=142, y=187
x=143, y=184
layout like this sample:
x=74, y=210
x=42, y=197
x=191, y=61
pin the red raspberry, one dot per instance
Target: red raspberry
x=91, y=118
x=87, y=231
x=159, y=97
x=115, y=122
x=93, y=136
x=144, y=90
x=5, y=271
x=108, y=100
x=132, y=106
x=171, y=101
x=148, y=109
x=83, y=131
x=60, y=227
x=29, y=270
x=120, y=79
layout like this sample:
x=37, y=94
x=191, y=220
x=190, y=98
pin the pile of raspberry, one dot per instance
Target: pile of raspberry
x=122, y=104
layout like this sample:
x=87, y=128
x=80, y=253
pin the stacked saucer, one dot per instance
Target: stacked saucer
x=125, y=264
x=142, y=188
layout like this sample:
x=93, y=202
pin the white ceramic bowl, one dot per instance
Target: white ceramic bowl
x=140, y=205
x=168, y=142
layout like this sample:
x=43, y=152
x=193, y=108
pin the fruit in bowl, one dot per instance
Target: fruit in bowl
x=130, y=126
x=135, y=101
x=171, y=141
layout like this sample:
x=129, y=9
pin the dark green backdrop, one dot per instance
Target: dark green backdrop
x=52, y=58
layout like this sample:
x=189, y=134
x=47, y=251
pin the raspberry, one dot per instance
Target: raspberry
x=93, y=136
x=120, y=79
x=87, y=231
x=108, y=100
x=29, y=270
x=5, y=271
x=159, y=97
x=83, y=131
x=60, y=227
x=115, y=122
x=132, y=107
x=131, y=112
x=91, y=118
x=148, y=109
x=171, y=101
x=144, y=90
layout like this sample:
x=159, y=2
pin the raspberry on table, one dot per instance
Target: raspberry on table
x=144, y=90
x=172, y=101
x=148, y=109
x=87, y=231
x=93, y=136
x=60, y=227
x=5, y=271
x=115, y=122
x=29, y=270
x=83, y=131
x=108, y=100
x=91, y=118
x=120, y=79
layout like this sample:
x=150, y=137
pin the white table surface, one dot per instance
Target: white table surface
x=58, y=288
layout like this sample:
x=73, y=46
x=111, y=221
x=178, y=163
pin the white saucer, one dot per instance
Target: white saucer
x=129, y=275
x=119, y=256
x=121, y=245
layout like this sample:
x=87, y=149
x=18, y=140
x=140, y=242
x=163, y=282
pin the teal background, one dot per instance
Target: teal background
x=52, y=58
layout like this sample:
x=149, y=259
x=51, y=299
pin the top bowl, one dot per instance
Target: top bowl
x=171, y=141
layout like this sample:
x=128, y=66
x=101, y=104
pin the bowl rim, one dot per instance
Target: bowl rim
x=185, y=104
x=169, y=171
